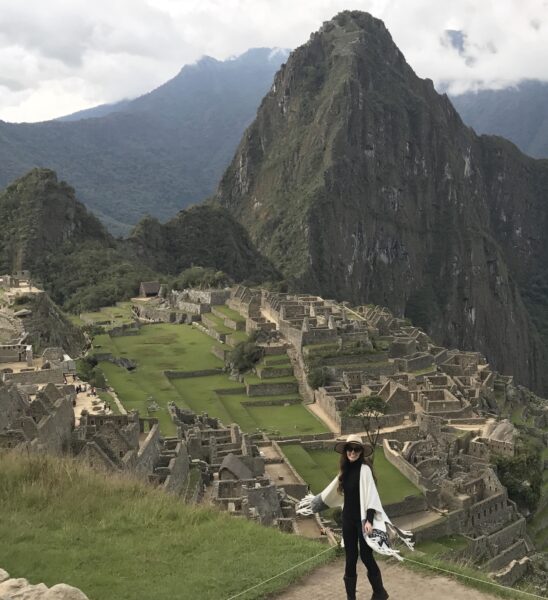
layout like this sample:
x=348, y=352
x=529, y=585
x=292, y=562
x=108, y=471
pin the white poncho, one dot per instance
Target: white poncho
x=369, y=498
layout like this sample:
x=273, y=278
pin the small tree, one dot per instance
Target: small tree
x=317, y=378
x=245, y=356
x=370, y=409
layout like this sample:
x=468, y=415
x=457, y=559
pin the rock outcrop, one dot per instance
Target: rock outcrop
x=21, y=589
x=359, y=181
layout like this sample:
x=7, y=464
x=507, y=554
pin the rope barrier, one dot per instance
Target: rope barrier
x=282, y=573
x=504, y=587
x=454, y=573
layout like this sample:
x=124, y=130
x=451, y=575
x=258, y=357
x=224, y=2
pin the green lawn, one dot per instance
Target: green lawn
x=114, y=315
x=163, y=347
x=199, y=395
x=108, y=398
x=231, y=314
x=443, y=546
x=319, y=467
x=276, y=360
x=118, y=539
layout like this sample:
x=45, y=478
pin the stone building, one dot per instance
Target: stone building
x=133, y=444
x=42, y=423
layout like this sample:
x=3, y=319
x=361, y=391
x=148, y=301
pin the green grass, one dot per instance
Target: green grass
x=443, y=546
x=238, y=336
x=517, y=416
x=108, y=398
x=319, y=467
x=276, y=360
x=118, y=539
x=217, y=324
x=114, y=315
x=432, y=555
x=231, y=314
x=287, y=420
x=158, y=348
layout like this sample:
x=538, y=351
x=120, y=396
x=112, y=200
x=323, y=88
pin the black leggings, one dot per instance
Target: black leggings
x=352, y=536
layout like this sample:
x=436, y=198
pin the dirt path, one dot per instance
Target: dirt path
x=401, y=583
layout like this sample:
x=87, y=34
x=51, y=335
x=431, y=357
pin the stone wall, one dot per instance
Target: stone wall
x=42, y=376
x=208, y=296
x=271, y=389
x=12, y=353
x=409, y=505
x=446, y=525
x=189, y=374
x=405, y=468
x=54, y=430
x=149, y=452
x=179, y=469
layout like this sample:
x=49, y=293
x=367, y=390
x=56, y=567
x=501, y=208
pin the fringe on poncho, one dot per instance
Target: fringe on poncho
x=330, y=497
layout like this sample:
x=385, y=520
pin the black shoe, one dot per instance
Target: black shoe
x=350, y=585
x=379, y=593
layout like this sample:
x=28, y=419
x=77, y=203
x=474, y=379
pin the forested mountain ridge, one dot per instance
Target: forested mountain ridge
x=46, y=230
x=155, y=154
x=518, y=113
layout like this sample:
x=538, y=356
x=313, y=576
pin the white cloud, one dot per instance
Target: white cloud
x=65, y=55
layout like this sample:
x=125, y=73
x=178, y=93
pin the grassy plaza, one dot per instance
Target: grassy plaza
x=164, y=347
x=319, y=467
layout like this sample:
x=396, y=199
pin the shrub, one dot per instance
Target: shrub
x=317, y=378
x=245, y=356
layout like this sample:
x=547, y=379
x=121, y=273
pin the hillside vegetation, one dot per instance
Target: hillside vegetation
x=46, y=230
x=118, y=539
x=155, y=154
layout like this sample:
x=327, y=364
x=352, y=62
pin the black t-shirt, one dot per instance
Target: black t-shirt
x=351, y=489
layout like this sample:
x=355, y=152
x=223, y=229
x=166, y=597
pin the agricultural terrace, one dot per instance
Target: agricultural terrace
x=168, y=347
x=319, y=467
x=107, y=317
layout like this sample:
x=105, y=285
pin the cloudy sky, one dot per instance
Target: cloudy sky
x=60, y=56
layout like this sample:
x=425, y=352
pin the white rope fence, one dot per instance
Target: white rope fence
x=453, y=573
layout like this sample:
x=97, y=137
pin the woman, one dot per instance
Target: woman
x=364, y=521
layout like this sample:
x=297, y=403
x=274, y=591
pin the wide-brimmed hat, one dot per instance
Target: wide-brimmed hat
x=355, y=440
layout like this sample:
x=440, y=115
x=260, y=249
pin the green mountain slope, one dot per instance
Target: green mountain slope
x=155, y=154
x=518, y=113
x=359, y=181
x=46, y=230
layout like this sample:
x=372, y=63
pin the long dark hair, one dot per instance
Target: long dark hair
x=344, y=463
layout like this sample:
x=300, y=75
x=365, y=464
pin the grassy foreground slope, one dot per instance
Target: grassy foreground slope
x=118, y=539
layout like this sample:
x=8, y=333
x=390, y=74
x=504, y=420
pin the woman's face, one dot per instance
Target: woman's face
x=353, y=452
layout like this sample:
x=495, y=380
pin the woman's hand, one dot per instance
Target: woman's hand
x=367, y=528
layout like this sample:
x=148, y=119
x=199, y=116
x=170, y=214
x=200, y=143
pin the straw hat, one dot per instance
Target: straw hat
x=356, y=440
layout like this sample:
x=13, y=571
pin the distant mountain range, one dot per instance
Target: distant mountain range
x=518, y=113
x=153, y=155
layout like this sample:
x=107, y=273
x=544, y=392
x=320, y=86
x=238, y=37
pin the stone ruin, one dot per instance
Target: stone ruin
x=444, y=464
x=437, y=401
x=231, y=463
x=20, y=588
x=186, y=306
x=132, y=444
x=41, y=423
x=18, y=365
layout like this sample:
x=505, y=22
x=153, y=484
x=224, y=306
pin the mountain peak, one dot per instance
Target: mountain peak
x=358, y=180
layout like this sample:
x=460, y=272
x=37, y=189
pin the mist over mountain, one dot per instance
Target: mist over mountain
x=155, y=154
x=518, y=113
x=359, y=181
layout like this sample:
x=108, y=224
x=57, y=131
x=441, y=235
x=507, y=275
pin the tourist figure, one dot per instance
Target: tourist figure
x=364, y=522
